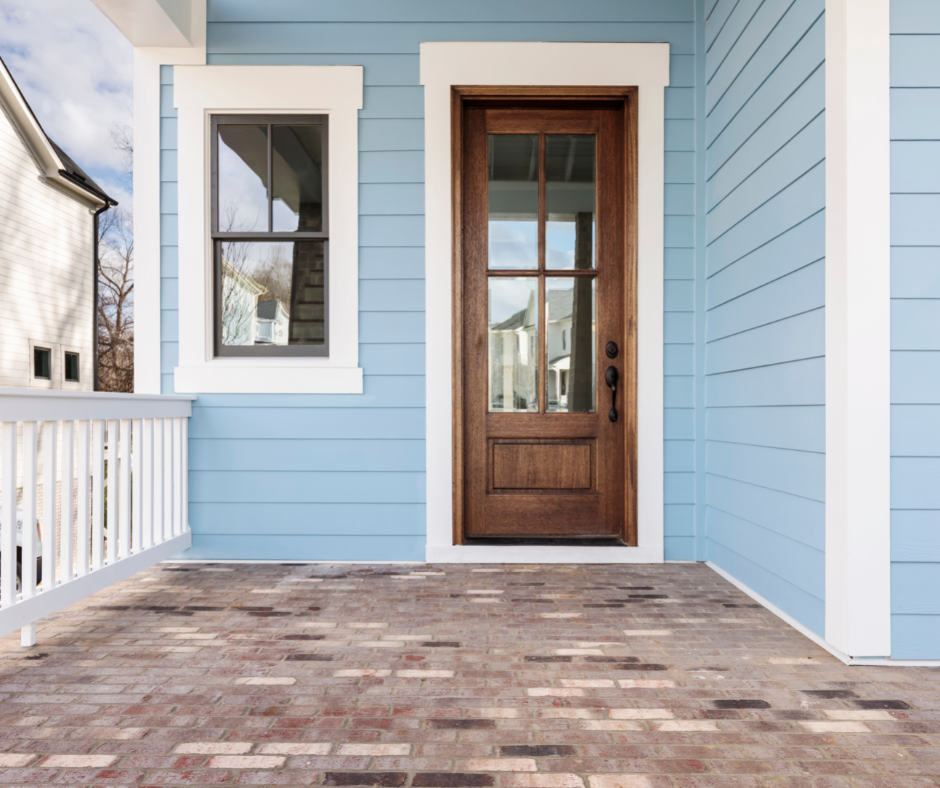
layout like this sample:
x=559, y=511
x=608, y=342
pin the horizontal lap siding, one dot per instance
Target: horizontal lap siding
x=915, y=330
x=342, y=477
x=765, y=327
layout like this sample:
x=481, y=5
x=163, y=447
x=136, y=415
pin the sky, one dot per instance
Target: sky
x=76, y=71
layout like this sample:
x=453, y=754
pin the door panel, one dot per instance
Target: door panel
x=543, y=241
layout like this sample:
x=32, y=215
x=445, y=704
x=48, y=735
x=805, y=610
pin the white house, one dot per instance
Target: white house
x=48, y=218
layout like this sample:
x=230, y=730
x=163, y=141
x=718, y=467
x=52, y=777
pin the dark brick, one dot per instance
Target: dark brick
x=441, y=644
x=601, y=605
x=463, y=724
x=390, y=779
x=269, y=613
x=202, y=608
x=829, y=694
x=154, y=608
x=741, y=704
x=881, y=704
x=548, y=659
x=303, y=637
x=612, y=659
x=649, y=596
x=635, y=588
x=309, y=658
x=451, y=780
x=648, y=666
x=253, y=609
x=537, y=751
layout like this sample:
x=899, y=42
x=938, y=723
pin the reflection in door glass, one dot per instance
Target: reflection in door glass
x=569, y=201
x=570, y=321
x=513, y=194
x=512, y=317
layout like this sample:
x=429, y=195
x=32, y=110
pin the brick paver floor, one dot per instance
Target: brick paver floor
x=431, y=677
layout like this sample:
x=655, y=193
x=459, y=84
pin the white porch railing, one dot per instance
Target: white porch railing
x=114, y=495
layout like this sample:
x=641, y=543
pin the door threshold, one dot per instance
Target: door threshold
x=559, y=541
x=541, y=553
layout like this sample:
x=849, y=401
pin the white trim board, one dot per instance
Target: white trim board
x=200, y=91
x=813, y=636
x=858, y=326
x=445, y=64
x=147, y=62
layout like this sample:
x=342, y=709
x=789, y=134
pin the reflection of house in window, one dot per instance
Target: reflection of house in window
x=272, y=323
x=514, y=360
x=559, y=353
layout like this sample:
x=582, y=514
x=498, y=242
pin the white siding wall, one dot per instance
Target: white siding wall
x=46, y=253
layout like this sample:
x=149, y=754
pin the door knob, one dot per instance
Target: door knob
x=611, y=377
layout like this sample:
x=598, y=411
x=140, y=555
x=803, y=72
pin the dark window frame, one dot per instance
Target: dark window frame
x=267, y=351
x=65, y=367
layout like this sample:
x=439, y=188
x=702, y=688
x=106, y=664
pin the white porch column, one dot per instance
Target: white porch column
x=858, y=326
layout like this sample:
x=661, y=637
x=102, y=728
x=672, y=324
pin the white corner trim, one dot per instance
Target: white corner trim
x=445, y=64
x=858, y=326
x=201, y=91
x=147, y=62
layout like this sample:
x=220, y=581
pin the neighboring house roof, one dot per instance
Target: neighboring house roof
x=559, y=304
x=267, y=310
x=57, y=165
x=511, y=323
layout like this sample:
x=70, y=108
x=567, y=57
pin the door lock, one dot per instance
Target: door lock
x=611, y=378
x=611, y=349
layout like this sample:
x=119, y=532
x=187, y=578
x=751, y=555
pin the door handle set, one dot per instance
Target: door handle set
x=611, y=378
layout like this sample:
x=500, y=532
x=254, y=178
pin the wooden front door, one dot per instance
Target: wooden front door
x=547, y=363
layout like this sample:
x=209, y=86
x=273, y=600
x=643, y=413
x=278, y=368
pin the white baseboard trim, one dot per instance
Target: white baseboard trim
x=900, y=663
x=542, y=554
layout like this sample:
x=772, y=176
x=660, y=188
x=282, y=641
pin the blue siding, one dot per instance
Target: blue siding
x=915, y=330
x=763, y=424
x=339, y=476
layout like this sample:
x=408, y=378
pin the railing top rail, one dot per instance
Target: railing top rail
x=18, y=404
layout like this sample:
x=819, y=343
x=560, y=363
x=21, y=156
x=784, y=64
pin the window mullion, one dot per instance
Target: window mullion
x=270, y=177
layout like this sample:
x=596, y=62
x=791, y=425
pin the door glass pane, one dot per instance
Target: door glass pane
x=512, y=309
x=569, y=201
x=272, y=293
x=243, y=179
x=513, y=194
x=298, y=178
x=570, y=321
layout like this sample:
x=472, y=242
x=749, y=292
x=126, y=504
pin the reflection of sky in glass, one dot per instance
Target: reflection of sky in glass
x=513, y=244
x=559, y=244
x=509, y=296
x=243, y=196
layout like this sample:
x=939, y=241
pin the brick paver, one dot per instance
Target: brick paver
x=452, y=676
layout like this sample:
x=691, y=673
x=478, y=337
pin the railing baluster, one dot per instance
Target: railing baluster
x=124, y=468
x=82, y=527
x=145, y=447
x=158, y=481
x=30, y=508
x=50, y=455
x=178, y=478
x=97, y=493
x=8, y=532
x=136, y=486
x=168, y=510
x=66, y=521
x=185, y=473
x=27, y=568
x=113, y=505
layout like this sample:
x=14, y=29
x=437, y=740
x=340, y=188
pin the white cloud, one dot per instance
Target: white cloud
x=76, y=71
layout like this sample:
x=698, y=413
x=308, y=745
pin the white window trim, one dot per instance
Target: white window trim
x=858, y=327
x=646, y=66
x=202, y=91
x=83, y=374
x=54, y=381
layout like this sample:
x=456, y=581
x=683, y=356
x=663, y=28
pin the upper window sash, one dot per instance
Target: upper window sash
x=268, y=121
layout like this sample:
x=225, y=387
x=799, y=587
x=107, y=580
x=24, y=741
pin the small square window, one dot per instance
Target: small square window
x=42, y=363
x=71, y=367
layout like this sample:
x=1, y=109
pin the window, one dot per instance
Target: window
x=270, y=235
x=71, y=367
x=42, y=363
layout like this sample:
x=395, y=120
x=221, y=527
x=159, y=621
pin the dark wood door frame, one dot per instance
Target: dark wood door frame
x=624, y=98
